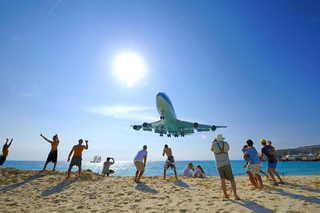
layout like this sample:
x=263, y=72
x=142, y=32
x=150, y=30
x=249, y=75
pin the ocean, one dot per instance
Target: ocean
x=155, y=168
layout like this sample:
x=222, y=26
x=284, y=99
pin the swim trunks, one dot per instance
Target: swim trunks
x=52, y=157
x=272, y=165
x=226, y=172
x=2, y=160
x=254, y=168
x=76, y=160
x=170, y=163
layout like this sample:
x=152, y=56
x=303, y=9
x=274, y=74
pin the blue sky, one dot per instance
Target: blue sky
x=252, y=66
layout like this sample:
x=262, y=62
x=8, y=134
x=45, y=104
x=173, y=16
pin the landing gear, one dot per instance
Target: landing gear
x=161, y=135
x=169, y=135
x=182, y=134
x=162, y=117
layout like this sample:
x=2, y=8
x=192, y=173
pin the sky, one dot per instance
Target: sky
x=252, y=66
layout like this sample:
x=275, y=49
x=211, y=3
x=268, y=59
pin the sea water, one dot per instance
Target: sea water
x=155, y=168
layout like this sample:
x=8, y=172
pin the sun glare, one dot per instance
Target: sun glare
x=129, y=67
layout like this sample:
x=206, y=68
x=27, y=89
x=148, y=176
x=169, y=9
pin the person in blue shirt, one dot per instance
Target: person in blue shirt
x=254, y=165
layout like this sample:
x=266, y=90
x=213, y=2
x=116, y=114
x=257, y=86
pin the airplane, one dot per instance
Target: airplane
x=169, y=124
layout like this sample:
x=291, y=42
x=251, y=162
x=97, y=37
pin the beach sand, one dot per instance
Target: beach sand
x=49, y=191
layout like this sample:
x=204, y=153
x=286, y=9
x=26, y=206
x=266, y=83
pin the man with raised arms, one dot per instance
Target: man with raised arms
x=5, y=151
x=169, y=162
x=77, y=156
x=53, y=154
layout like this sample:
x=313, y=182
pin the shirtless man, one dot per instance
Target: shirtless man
x=5, y=151
x=169, y=161
x=77, y=156
x=53, y=155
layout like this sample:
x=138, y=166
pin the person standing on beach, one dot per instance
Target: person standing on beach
x=5, y=151
x=269, y=152
x=220, y=149
x=53, y=154
x=169, y=162
x=140, y=161
x=77, y=156
x=254, y=166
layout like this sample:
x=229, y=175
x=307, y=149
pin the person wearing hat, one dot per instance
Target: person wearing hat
x=269, y=152
x=220, y=149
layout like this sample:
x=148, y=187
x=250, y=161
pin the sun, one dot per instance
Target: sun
x=129, y=67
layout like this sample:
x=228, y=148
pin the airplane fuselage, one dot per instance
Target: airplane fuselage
x=165, y=108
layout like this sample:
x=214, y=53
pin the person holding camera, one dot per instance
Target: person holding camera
x=53, y=154
x=77, y=156
x=220, y=148
x=106, y=166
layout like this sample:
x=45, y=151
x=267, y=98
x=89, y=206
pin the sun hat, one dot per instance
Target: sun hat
x=219, y=137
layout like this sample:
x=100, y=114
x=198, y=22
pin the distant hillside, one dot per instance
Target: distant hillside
x=300, y=153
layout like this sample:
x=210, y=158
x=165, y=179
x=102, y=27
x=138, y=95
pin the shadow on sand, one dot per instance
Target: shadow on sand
x=303, y=187
x=145, y=188
x=297, y=196
x=181, y=184
x=16, y=185
x=58, y=188
x=254, y=207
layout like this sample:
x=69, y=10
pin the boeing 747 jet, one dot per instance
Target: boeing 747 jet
x=169, y=124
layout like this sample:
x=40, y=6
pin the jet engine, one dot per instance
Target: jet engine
x=146, y=126
x=213, y=128
x=137, y=127
x=195, y=125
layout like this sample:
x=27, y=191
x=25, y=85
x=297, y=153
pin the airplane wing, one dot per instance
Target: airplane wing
x=177, y=128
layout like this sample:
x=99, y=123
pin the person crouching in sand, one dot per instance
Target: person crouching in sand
x=77, y=156
x=220, y=149
x=106, y=167
x=186, y=172
x=199, y=172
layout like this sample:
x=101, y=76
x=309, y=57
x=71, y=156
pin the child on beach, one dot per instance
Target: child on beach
x=199, y=172
x=186, y=171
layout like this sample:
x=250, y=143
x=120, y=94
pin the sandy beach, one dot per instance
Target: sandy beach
x=49, y=191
